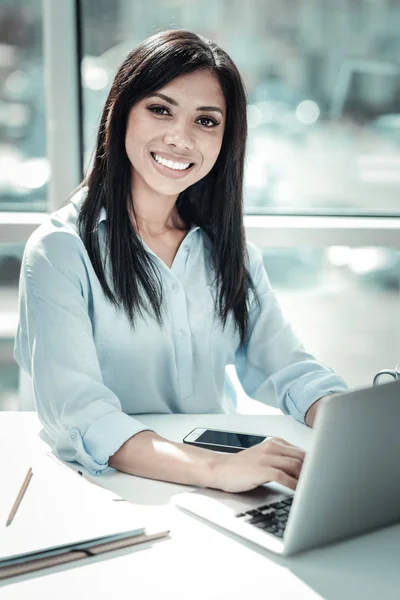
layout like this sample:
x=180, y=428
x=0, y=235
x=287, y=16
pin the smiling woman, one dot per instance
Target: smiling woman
x=138, y=293
x=170, y=98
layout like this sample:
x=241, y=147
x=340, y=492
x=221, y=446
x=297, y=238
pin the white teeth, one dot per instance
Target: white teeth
x=170, y=164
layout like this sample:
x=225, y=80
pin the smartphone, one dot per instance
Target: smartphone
x=222, y=441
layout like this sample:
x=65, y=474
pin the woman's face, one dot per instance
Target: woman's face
x=174, y=136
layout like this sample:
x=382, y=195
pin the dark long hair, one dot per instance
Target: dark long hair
x=214, y=203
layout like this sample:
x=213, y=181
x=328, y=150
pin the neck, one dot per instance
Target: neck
x=155, y=214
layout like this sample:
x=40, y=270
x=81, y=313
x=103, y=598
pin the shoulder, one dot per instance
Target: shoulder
x=253, y=253
x=257, y=271
x=254, y=259
x=56, y=241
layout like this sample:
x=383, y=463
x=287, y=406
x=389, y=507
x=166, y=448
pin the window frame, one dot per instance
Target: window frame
x=64, y=131
x=63, y=117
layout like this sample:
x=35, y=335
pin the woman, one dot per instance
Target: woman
x=136, y=295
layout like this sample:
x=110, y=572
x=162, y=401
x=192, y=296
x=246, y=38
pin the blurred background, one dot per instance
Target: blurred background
x=323, y=81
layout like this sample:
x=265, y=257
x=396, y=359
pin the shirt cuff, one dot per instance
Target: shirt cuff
x=308, y=389
x=103, y=438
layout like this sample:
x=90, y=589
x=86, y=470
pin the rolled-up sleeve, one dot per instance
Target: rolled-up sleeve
x=272, y=365
x=55, y=345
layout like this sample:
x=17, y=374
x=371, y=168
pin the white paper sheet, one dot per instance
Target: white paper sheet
x=59, y=508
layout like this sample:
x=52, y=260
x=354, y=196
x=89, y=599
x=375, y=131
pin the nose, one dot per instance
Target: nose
x=179, y=135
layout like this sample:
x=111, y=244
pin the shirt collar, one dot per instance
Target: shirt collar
x=79, y=197
x=103, y=217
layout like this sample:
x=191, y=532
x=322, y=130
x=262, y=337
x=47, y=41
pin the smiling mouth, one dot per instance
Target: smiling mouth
x=174, y=166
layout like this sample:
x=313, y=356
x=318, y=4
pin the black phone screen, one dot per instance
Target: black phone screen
x=226, y=438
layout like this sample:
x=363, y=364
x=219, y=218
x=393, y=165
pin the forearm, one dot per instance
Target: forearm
x=312, y=411
x=146, y=454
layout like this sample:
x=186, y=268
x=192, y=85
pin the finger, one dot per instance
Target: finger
x=281, y=440
x=284, y=442
x=282, y=478
x=285, y=449
x=291, y=466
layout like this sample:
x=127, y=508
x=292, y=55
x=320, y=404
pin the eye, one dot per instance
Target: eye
x=207, y=122
x=159, y=110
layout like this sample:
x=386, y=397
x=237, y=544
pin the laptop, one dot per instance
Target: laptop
x=349, y=484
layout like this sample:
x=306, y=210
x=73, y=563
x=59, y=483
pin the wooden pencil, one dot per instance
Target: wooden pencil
x=18, y=499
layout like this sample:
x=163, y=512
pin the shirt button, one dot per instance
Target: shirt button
x=174, y=287
x=186, y=248
x=73, y=435
x=182, y=335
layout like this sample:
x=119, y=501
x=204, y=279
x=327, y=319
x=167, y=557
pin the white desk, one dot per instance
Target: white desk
x=200, y=561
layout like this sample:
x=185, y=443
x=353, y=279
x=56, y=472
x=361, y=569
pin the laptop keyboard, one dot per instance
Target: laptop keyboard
x=271, y=518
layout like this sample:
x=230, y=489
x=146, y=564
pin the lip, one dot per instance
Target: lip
x=171, y=173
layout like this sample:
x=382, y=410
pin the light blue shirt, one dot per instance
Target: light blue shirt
x=91, y=371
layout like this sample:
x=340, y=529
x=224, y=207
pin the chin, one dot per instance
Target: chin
x=168, y=190
x=171, y=190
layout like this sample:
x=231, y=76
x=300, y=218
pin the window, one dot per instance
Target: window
x=323, y=82
x=342, y=302
x=24, y=165
x=10, y=258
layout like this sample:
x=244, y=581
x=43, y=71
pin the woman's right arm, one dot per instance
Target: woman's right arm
x=148, y=455
x=55, y=345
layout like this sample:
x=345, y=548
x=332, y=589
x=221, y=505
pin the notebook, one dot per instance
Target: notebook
x=62, y=517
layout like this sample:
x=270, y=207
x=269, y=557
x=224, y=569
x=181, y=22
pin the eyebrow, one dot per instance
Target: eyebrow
x=175, y=103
